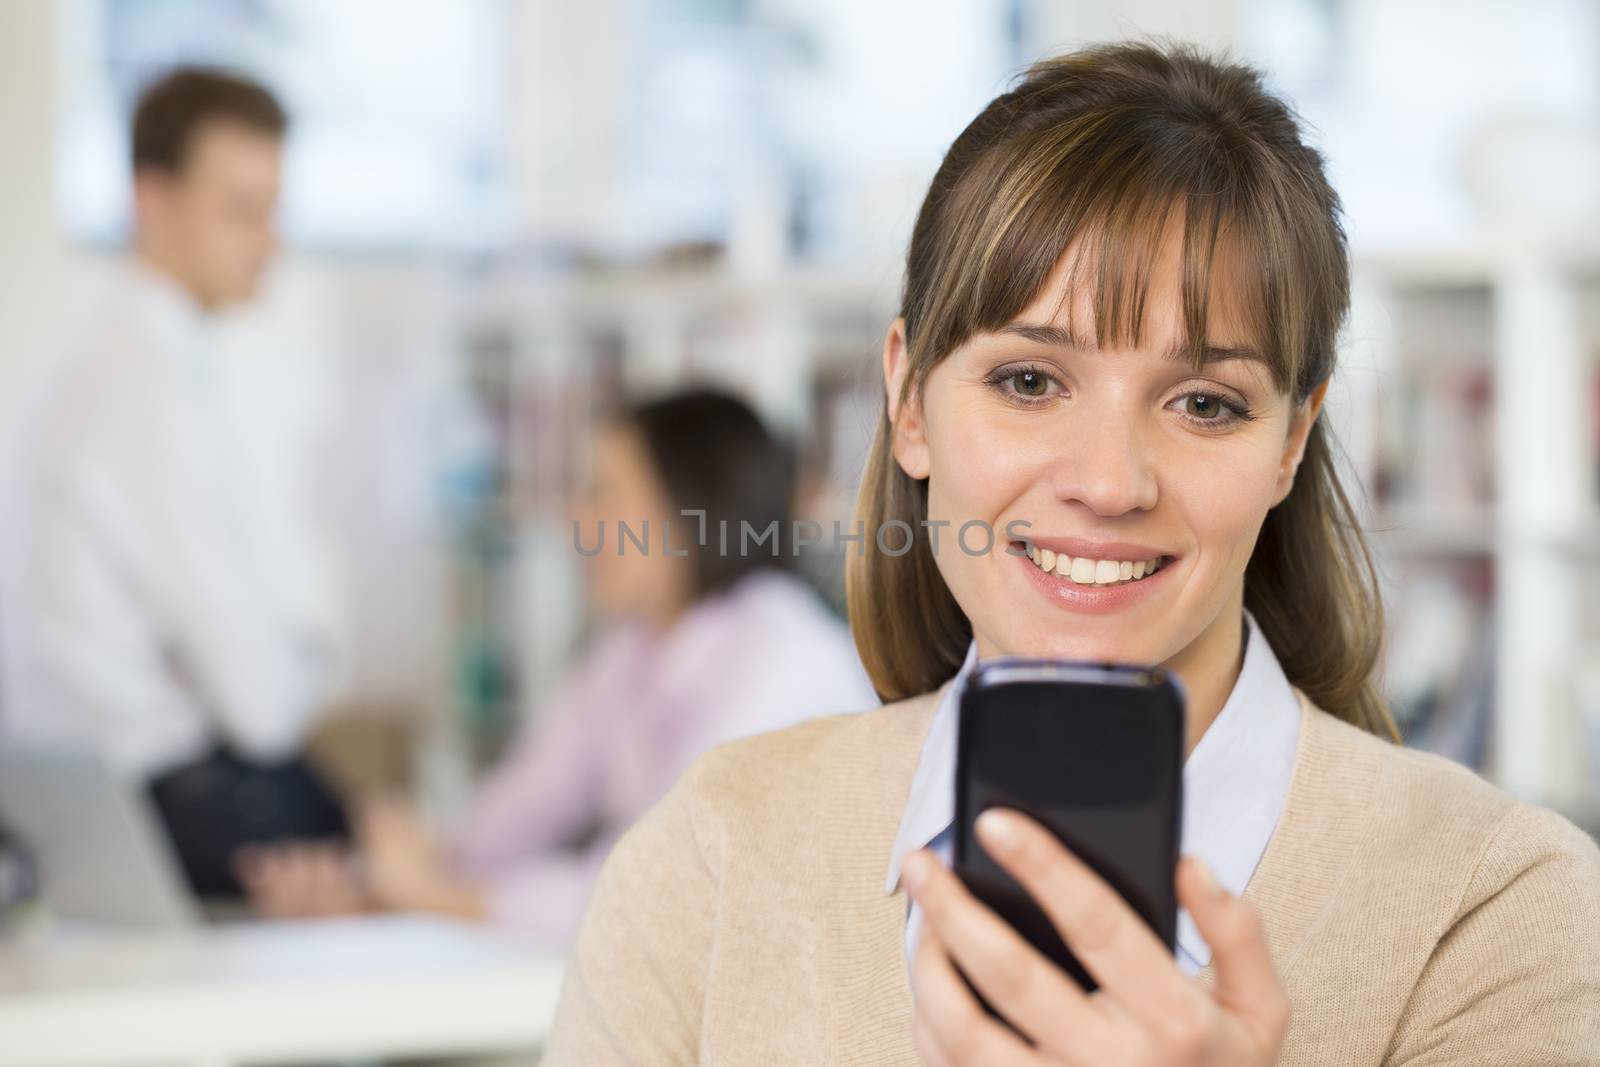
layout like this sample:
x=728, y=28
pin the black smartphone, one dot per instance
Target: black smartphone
x=1094, y=752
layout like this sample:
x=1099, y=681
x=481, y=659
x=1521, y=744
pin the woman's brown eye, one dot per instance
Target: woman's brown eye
x=1030, y=383
x=1208, y=406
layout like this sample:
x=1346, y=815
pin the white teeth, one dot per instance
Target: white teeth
x=1086, y=571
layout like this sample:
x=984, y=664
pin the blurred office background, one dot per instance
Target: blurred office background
x=500, y=213
x=497, y=211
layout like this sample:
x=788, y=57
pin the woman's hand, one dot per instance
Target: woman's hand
x=1146, y=1011
x=397, y=867
x=300, y=879
x=404, y=868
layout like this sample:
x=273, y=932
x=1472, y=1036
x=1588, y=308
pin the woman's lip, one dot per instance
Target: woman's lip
x=1092, y=599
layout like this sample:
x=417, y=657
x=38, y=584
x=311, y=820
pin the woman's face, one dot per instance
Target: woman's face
x=625, y=488
x=1115, y=456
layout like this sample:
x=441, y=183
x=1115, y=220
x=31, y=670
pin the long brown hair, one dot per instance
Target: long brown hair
x=1102, y=149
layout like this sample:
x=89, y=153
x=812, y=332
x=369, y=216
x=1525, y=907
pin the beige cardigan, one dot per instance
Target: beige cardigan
x=1417, y=914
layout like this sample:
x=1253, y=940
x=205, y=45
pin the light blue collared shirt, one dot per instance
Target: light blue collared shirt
x=1235, y=783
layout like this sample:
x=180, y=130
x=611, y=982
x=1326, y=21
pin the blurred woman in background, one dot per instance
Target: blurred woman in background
x=697, y=646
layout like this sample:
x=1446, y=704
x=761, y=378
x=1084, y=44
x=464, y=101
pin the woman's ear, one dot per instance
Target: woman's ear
x=1295, y=447
x=909, y=440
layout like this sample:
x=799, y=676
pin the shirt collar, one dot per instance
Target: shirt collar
x=160, y=291
x=931, y=804
x=1235, y=781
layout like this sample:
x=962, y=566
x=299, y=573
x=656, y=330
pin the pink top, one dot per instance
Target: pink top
x=635, y=712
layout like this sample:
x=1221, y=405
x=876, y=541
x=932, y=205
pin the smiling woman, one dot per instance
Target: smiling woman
x=1080, y=441
x=1159, y=277
x=1117, y=330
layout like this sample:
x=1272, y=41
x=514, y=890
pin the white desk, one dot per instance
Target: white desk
x=245, y=993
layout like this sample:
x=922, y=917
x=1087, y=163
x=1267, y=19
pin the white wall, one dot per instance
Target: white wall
x=565, y=142
x=1062, y=24
x=35, y=263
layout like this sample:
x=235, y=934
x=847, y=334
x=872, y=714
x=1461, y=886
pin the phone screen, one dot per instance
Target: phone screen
x=1093, y=751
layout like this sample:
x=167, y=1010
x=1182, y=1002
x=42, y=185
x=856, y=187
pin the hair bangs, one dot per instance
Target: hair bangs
x=1108, y=206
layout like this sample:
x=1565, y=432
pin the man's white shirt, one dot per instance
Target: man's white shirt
x=161, y=589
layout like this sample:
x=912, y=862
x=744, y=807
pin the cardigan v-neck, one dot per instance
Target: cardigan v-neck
x=1300, y=867
x=1235, y=783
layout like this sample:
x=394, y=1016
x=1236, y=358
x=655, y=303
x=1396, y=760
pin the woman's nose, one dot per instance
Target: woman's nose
x=1104, y=464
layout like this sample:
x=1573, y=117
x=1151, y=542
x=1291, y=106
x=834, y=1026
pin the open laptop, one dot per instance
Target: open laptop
x=101, y=854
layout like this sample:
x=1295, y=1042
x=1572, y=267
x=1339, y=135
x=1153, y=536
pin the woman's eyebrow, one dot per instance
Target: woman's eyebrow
x=1061, y=337
x=1058, y=336
x=1180, y=353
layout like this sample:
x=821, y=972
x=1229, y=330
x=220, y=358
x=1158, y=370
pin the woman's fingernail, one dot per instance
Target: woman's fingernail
x=998, y=829
x=914, y=872
x=1208, y=881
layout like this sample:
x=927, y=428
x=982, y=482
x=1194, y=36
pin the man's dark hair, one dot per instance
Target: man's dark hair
x=174, y=107
x=713, y=453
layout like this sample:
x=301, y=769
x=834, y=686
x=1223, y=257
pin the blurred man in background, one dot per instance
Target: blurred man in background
x=153, y=608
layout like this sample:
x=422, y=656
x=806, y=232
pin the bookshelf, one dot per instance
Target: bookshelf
x=548, y=351
x=1481, y=366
